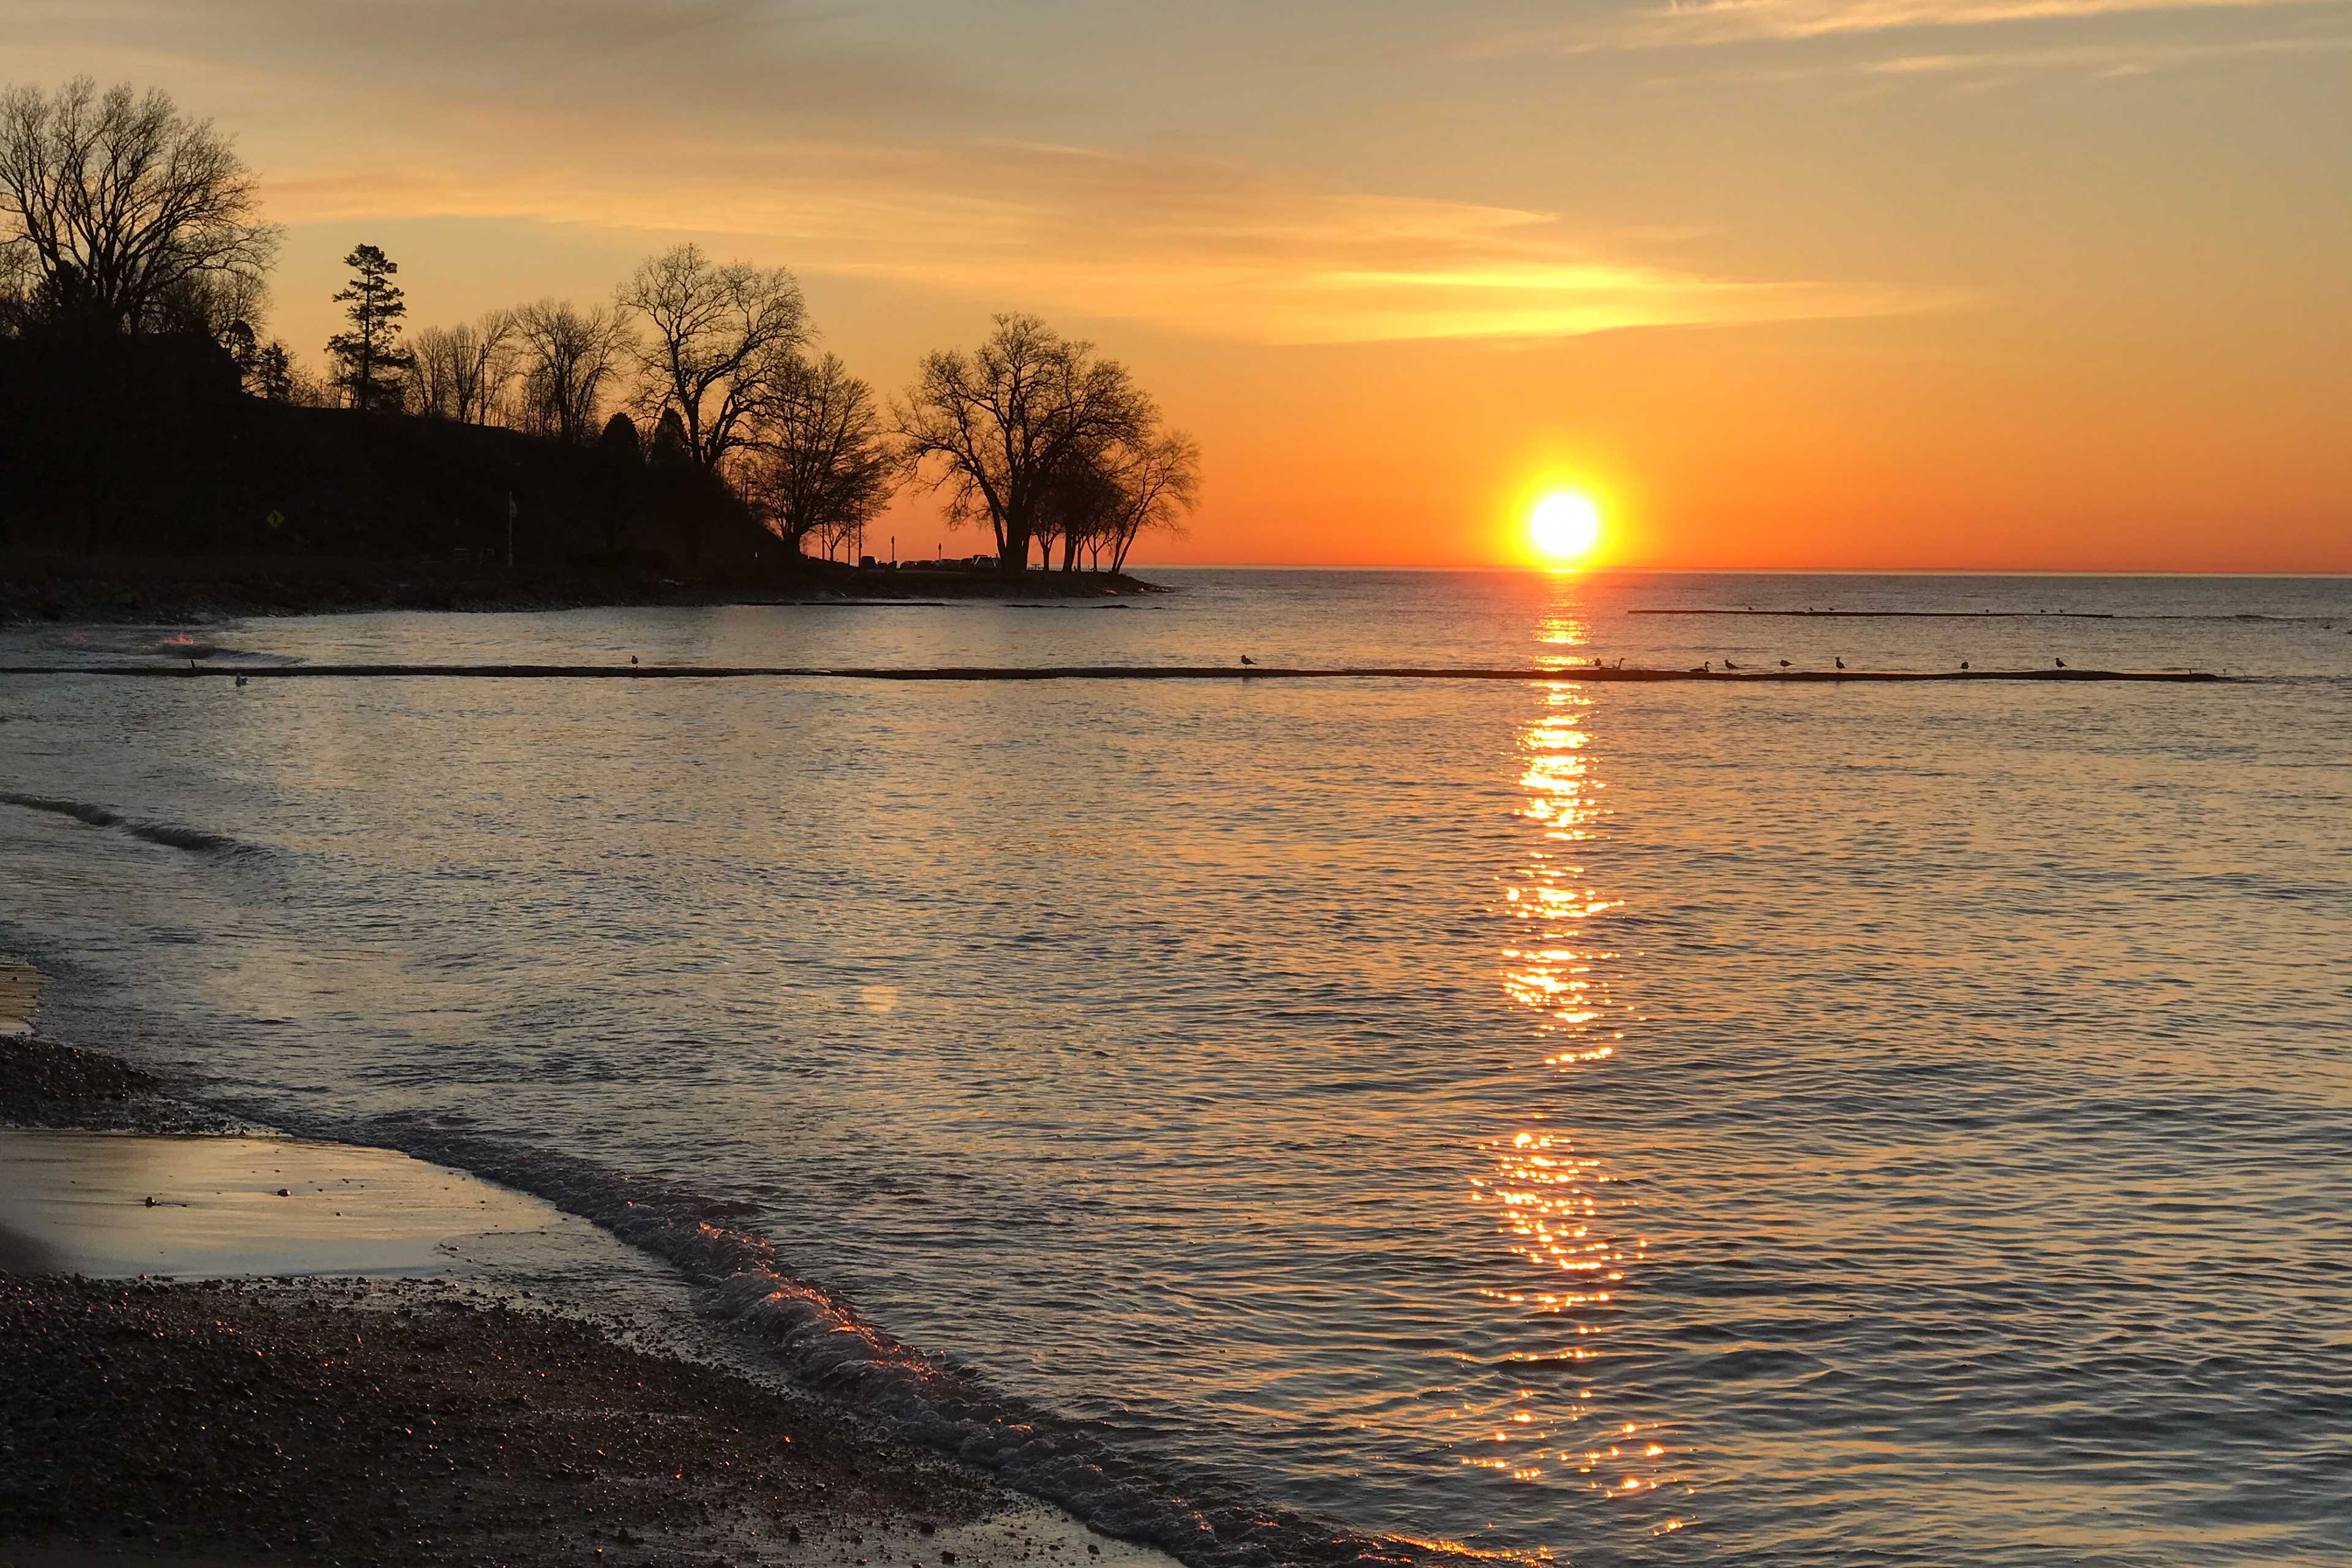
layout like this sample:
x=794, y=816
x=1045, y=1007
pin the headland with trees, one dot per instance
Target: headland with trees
x=687, y=439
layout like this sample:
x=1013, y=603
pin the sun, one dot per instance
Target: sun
x=1564, y=526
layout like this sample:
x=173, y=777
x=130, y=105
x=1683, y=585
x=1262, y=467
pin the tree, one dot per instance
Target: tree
x=20, y=285
x=1103, y=495
x=272, y=377
x=1081, y=499
x=462, y=371
x=722, y=338
x=120, y=201
x=993, y=428
x=569, y=356
x=819, y=466
x=1158, y=485
x=370, y=352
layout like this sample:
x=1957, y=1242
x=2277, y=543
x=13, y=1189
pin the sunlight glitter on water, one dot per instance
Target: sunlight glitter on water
x=1556, y=1214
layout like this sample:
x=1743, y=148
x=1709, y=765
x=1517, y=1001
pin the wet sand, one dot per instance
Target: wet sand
x=352, y=1367
x=125, y=1204
x=20, y=990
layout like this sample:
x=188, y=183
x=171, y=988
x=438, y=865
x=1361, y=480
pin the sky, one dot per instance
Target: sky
x=2010, y=285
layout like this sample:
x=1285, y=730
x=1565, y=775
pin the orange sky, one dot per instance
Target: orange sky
x=1999, y=284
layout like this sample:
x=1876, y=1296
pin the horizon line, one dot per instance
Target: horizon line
x=1133, y=566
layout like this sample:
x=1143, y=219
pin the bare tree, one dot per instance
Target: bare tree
x=817, y=464
x=462, y=371
x=434, y=379
x=992, y=427
x=20, y=282
x=1081, y=504
x=569, y=358
x=1105, y=494
x=1158, y=485
x=122, y=200
x=722, y=336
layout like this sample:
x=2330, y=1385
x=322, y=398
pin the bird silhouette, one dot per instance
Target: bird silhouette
x=1784, y=664
x=1964, y=664
x=1729, y=664
x=1247, y=659
x=240, y=681
x=632, y=660
x=2059, y=662
x=1839, y=662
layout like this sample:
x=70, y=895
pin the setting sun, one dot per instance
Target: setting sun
x=1564, y=526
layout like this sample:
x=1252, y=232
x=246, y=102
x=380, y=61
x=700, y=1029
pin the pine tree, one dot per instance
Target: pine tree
x=370, y=352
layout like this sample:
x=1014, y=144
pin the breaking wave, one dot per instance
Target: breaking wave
x=171, y=835
x=822, y=1342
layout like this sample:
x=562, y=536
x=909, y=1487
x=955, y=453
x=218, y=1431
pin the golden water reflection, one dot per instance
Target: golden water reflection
x=1556, y=1207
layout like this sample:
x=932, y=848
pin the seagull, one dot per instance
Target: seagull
x=1784, y=664
x=1247, y=659
x=632, y=660
x=1729, y=664
x=1964, y=664
x=2059, y=662
x=1839, y=662
x=240, y=681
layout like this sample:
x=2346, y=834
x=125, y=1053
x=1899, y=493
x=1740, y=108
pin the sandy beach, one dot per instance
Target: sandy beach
x=231, y=1349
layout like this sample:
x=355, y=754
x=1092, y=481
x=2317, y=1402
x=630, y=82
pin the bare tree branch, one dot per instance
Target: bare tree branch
x=722, y=336
x=121, y=201
x=992, y=428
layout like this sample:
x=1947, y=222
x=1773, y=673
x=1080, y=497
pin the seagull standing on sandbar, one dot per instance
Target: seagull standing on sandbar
x=1247, y=659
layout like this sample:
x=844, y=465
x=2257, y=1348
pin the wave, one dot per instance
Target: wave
x=822, y=1342
x=172, y=835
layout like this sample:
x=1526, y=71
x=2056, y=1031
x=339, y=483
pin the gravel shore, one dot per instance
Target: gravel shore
x=405, y=1423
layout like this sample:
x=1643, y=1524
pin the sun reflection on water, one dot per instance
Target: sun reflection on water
x=1557, y=1208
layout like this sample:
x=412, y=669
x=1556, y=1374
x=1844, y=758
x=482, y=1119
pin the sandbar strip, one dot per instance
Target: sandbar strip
x=1074, y=672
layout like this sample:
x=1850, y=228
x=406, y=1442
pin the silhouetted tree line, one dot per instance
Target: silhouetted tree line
x=122, y=218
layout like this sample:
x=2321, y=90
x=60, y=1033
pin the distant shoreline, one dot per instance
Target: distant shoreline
x=149, y=590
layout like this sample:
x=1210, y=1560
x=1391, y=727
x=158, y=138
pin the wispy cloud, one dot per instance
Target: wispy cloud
x=2107, y=38
x=1727, y=21
x=1195, y=247
x=1976, y=67
x=805, y=137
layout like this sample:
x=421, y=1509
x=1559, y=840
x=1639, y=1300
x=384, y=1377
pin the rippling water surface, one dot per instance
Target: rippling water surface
x=1635, y=1124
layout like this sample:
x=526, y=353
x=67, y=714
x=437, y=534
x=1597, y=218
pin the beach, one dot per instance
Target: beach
x=223, y=1348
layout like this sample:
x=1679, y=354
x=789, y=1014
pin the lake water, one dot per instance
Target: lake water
x=1659, y=1123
